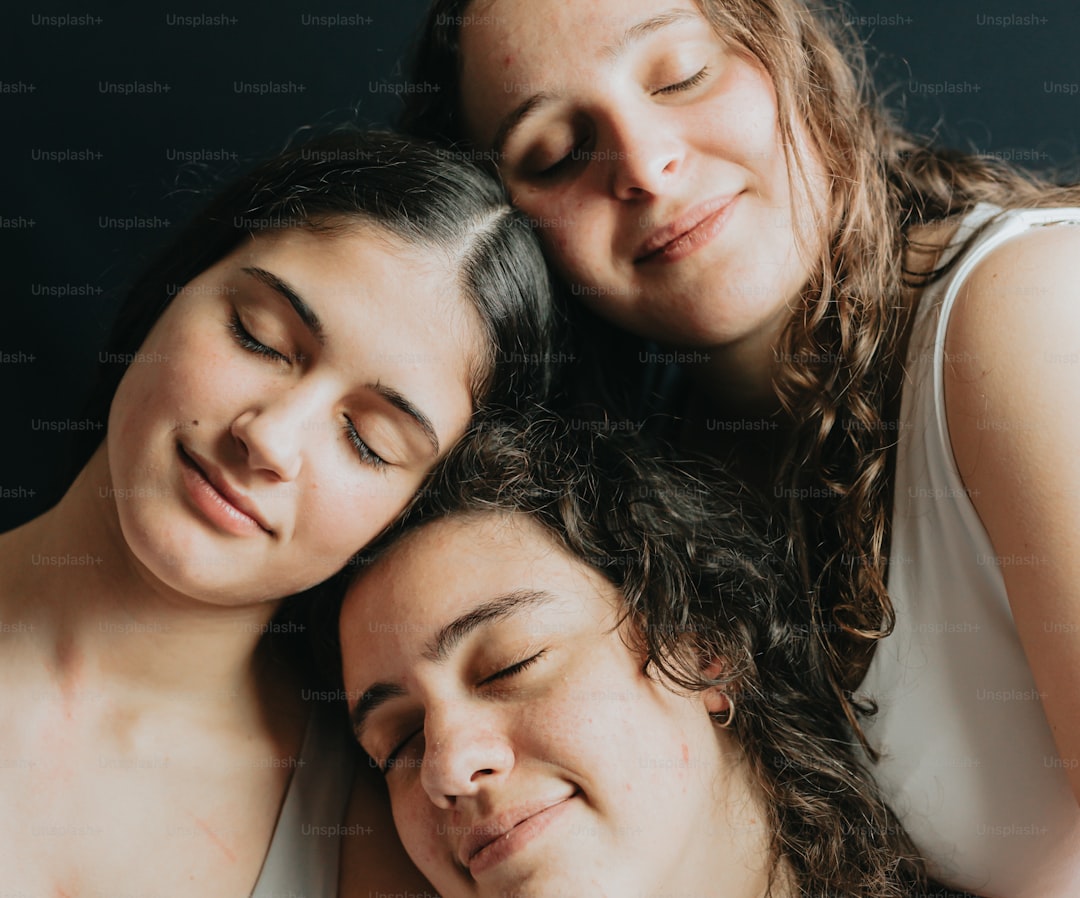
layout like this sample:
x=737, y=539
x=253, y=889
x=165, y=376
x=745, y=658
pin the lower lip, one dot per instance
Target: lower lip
x=214, y=506
x=698, y=236
x=512, y=842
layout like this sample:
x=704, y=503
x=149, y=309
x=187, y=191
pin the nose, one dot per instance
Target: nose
x=646, y=156
x=462, y=754
x=270, y=436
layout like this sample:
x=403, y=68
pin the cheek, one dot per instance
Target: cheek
x=569, y=227
x=744, y=125
x=421, y=829
x=347, y=505
x=182, y=371
x=582, y=732
x=575, y=251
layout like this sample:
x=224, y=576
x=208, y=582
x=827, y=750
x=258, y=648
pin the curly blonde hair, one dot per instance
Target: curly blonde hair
x=840, y=355
x=841, y=351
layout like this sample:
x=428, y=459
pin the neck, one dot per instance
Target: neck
x=742, y=867
x=733, y=413
x=736, y=383
x=102, y=621
x=736, y=378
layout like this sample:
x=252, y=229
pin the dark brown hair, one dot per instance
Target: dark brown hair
x=701, y=577
x=417, y=191
x=421, y=193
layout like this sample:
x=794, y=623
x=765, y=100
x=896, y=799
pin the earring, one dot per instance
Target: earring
x=730, y=716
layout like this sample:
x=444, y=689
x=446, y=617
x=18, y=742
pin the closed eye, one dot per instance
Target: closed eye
x=389, y=764
x=513, y=669
x=692, y=81
x=367, y=454
x=577, y=154
x=244, y=338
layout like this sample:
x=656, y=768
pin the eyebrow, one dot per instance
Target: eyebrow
x=445, y=641
x=284, y=289
x=374, y=697
x=635, y=33
x=398, y=401
x=643, y=29
x=315, y=326
x=453, y=633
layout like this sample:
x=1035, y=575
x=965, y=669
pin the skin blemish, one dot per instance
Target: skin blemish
x=686, y=753
x=213, y=837
x=69, y=674
x=507, y=61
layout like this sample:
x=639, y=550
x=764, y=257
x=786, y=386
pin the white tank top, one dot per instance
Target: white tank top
x=302, y=861
x=968, y=761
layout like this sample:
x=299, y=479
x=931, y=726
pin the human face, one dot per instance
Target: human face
x=526, y=750
x=285, y=407
x=647, y=150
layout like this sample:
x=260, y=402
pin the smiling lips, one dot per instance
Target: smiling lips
x=688, y=232
x=493, y=840
x=225, y=507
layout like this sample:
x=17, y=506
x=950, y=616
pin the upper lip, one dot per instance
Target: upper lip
x=216, y=478
x=486, y=830
x=681, y=224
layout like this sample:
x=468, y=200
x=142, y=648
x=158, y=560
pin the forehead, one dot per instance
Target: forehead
x=511, y=33
x=449, y=568
x=350, y=243
x=359, y=270
x=514, y=49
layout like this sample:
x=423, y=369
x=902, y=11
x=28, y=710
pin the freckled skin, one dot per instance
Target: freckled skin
x=653, y=797
x=637, y=155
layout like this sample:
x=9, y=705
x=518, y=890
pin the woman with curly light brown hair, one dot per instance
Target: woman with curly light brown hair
x=879, y=332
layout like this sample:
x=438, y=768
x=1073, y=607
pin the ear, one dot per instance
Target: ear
x=716, y=699
x=713, y=669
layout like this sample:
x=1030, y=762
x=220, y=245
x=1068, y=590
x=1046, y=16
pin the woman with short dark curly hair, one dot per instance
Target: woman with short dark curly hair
x=587, y=671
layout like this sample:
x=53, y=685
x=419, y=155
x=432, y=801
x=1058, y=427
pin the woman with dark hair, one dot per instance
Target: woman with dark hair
x=879, y=332
x=587, y=672
x=280, y=384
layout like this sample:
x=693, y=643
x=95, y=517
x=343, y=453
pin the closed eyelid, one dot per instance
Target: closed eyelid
x=285, y=291
x=376, y=695
x=400, y=403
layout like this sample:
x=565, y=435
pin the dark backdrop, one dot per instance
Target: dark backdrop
x=113, y=118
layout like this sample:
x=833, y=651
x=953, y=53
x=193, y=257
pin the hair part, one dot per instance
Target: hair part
x=417, y=193
x=421, y=194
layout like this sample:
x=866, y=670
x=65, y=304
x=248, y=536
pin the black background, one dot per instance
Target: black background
x=953, y=68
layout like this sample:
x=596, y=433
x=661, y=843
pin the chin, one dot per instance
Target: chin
x=187, y=565
x=562, y=874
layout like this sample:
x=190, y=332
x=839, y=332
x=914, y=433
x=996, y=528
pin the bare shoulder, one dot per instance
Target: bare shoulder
x=1026, y=286
x=1012, y=360
x=1012, y=385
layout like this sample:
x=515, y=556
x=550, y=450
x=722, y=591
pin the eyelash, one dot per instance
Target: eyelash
x=503, y=674
x=244, y=337
x=513, y=669
x=248, y=342
x=691, y=82
x=365, y=452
